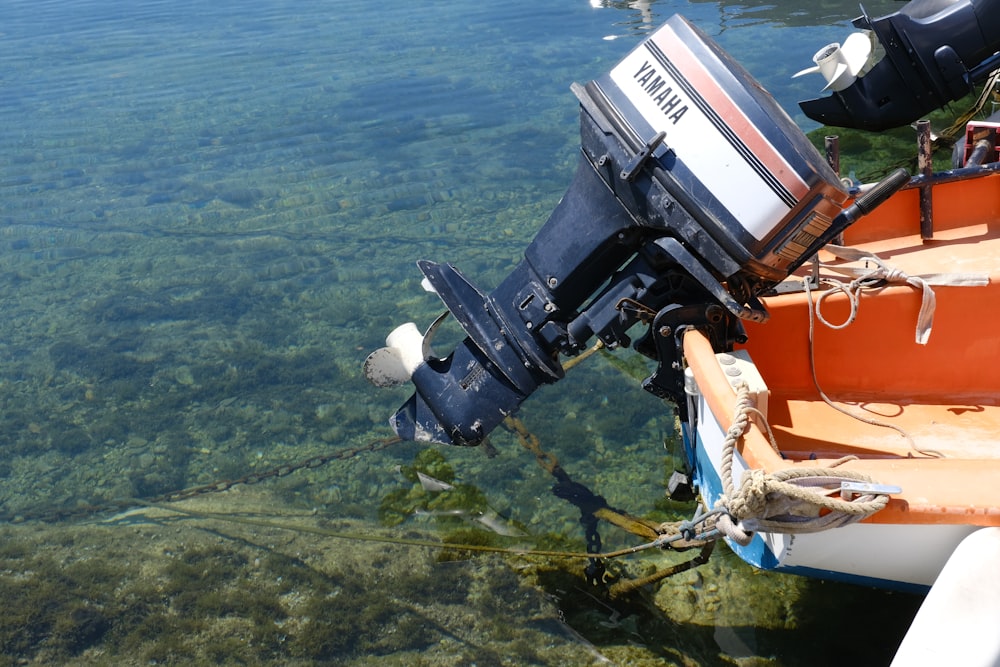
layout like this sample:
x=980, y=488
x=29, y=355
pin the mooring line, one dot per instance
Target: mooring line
x=405, y=541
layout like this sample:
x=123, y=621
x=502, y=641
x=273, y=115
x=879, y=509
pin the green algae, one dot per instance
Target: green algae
x=197, y=592
x=450, y=507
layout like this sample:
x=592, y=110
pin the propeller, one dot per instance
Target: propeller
x=405, y=350
x=840, y=65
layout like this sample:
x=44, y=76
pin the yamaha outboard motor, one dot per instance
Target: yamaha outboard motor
x=932, y=52
x=695, y=193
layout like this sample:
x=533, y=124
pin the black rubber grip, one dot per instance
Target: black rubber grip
x=881, y=191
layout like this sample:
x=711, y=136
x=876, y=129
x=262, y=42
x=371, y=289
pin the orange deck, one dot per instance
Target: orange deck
x=945, y=395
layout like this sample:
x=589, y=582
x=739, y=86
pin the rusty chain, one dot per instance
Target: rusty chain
x=63, y=513
x=280, y=471
x=530, y=441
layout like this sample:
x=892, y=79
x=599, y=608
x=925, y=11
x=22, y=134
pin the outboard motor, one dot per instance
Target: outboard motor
x=695, y=193
x=903, y=65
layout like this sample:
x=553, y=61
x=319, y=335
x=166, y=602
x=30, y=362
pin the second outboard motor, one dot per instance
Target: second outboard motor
x=932, y=52
x=695, y=192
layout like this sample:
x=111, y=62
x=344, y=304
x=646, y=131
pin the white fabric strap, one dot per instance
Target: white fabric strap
x=877, y=270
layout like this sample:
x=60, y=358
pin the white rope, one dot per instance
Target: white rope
x=814, y=315
x=786, y=501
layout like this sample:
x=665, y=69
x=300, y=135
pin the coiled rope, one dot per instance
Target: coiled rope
x=786, y=501
x=800, y=500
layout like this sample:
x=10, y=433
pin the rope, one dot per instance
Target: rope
x=787, y=501
x=958, y=126
x=876, y=274
x=596, y=347
x=814, y=314
x=662, y=542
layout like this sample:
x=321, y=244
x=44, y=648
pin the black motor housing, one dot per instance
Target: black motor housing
x=935, y=51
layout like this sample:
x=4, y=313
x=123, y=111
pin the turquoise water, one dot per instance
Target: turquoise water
x=209, y=215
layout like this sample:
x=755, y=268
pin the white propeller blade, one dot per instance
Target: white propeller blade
x=405, y=349
x=840, y=65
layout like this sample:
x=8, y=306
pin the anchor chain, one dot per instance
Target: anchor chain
x=583, y=498
x=62, y=514
x=280, y=471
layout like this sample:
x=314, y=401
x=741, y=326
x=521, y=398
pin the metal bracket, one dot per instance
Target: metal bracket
x=665, y=335
x=639, y=159
x=848, y=490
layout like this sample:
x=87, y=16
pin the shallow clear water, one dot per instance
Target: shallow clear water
x=210, y=213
